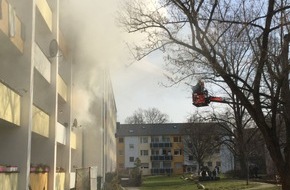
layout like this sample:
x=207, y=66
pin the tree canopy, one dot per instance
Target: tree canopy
x=242, y=45
x=147, y=116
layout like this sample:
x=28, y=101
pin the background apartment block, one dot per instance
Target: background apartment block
x=38, y=122
x=162, y=149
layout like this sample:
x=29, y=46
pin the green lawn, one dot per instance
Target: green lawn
x=175, y=183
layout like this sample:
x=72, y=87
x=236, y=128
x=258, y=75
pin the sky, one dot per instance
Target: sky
x=136, y=84
x=140, y=86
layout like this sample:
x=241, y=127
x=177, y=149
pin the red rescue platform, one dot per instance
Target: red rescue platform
x=200, y=97
x=201, y=100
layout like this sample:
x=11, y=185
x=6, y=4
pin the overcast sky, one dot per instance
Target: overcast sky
x=135, y=84
x=140, y=86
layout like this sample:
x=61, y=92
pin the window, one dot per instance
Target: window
x=166, y=164
x=218, y=164
x=131, y=159
x=144, y=165
x=177, y=152
x=131, y=146
x=165, y=139
x=121, y=140
x=164, y=152
x=143, y=140
x=144, y=152
x=121, y=153
x=155, y=164
x=154, y=152
x=154, y=139
x=177, y=139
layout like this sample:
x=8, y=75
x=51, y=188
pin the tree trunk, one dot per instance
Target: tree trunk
x=285, y=180
x=243, y=164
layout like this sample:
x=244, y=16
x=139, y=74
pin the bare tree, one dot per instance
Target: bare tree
x=149, y=116
x=196, y=36
x=201, y=142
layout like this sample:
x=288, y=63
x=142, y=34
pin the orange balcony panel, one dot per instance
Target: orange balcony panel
x=178, y=158
x=38, y=180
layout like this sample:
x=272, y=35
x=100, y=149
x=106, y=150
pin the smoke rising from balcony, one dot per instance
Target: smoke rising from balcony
x=97, y=46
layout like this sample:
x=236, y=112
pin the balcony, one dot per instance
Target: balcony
x=41, y=63
x=161, y=157
x=45, y=11
x=158, y=171
x=9, y=181
x=38, y=180
x=60, y=133
x=60, y=181
x=62, y=88
x=72, y=180
x=73, y=140
x=40, y=123
x=11, y=30
x=9, y=105
x=160, y=145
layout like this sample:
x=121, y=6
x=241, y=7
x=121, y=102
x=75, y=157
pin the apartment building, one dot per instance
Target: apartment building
x=162, y=148
x=42, y=139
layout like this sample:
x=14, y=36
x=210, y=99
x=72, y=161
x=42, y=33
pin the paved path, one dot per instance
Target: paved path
x=262, y=186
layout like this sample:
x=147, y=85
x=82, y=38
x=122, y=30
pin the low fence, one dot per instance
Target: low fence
x=86, y=179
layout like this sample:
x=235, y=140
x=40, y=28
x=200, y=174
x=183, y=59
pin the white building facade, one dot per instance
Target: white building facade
x=41, y=144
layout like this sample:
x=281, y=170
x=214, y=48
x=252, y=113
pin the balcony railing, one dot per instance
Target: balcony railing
x=45, y=11
x=73, y=140
x=157, y=171
x=62, y=88
x=9, y=105
x=41, y=63
x=161, y=157
x=40, y=122
x=160, y=145
x=60, y=181
x=60, y=133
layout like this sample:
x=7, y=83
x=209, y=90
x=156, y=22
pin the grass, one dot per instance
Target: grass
x=175, y=183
